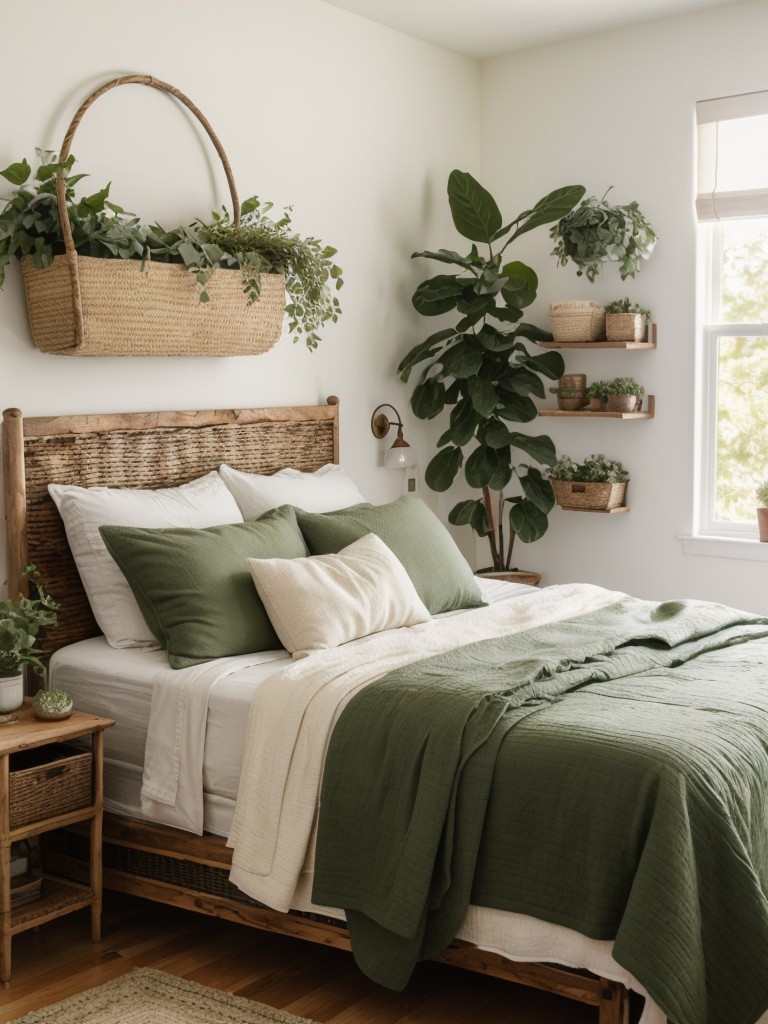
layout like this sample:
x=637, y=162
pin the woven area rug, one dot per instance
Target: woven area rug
x=153, y=997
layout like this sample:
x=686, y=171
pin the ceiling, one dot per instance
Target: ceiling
x=488, y=28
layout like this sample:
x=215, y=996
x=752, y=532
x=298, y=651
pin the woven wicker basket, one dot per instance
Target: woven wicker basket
x=577, y=321
x=625, y=326
x=48, y=781
x=85, y=306
x=574, y=494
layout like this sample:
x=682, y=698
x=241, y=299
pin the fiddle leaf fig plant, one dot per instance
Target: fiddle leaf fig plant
x=481, y=368
x=595, y=232
x=30, y=226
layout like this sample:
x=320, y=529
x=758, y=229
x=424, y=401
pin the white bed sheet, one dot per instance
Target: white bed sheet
x=119, y=683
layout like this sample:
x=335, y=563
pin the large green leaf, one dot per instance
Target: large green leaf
x=473, y=208
x=437, y=295
x=424, y=350
x=520, y=381
x=517, y=408
x=17, y=173
x=494, y=434
x=522, y=284
x=464, y=421
x=446, y=256
x=428, y=399
x=538, y=489
x=552, y=207
x=549, y=364
x=539, y=448
x=494, y=340
x=483, y=395
x=442, y=469
x=527, y=521
x=488, y=467
x=470, y=513
x=532, y=333
x=463, y=359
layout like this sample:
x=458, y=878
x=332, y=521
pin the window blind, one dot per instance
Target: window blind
x=732, y=165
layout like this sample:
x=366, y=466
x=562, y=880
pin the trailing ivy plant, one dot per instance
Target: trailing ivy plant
x=30, y=226
x=481, y=368
x=595, y=232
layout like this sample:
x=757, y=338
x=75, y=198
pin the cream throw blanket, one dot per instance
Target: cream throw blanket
x=293, y=714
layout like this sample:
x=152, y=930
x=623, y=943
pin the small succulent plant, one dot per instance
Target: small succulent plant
x=52, y=702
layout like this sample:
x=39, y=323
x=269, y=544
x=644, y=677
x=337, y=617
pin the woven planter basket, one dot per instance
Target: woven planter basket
x=575, y=494
x=625, y=326
x=577, y=321
x=86, y=306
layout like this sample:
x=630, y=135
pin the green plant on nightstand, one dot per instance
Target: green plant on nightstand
x=21, y=621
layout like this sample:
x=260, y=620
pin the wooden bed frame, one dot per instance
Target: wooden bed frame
x=163, y=450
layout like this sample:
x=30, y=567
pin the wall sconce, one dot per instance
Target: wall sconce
x=400, y=455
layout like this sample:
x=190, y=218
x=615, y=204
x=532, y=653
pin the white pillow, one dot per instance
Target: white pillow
x=202, y=502
x=326, y=600
x=326, y=490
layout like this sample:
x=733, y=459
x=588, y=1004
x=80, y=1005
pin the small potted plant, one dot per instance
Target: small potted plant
x=626, y=321
x=762, y=510
x=624, y=394
x=595, y=232
x=52, y=704
x=596, y=483
x=596, y=396
x=21, y=621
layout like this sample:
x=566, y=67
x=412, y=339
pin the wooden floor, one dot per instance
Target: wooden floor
x=308, y=980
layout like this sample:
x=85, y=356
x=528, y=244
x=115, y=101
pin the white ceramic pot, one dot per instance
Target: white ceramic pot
x=11, y=693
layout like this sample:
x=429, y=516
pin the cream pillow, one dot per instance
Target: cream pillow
x=326, y=490
x=326, y=600
x=200, y=503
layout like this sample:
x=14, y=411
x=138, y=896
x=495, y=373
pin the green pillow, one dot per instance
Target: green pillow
x=194, y=588
x=438, y=570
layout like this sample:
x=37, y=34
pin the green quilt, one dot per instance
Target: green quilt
x=608, y=773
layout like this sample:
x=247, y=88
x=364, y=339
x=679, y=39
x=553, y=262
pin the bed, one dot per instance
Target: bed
x=173, y=866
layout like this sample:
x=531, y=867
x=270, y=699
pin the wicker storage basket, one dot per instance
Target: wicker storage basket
x=577, y=321
x=579, y=495
x=625, y=326
x=82, y=305
x=47, y=781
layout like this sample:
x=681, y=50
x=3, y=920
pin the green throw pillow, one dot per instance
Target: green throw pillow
x=194, y=588
x=438, y=570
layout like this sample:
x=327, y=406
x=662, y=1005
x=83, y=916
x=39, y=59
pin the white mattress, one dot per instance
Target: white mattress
x=118, y=684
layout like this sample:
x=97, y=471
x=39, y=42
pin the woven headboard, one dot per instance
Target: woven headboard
x=160, y=449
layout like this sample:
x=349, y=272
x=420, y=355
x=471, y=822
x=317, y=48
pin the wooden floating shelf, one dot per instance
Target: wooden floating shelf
x=645, y=414
x=600, y=511
x=633, y=345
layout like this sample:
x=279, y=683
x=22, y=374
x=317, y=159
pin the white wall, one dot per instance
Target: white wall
x=355, y=125
x=618, y=109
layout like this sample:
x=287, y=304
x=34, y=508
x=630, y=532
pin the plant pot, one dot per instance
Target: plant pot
x=11, y=693
x=594, y=405
x=623, y=403
x=573, y=381
x=511, y=576
x=570, y=402
x=625, y=326
x=762, y=524
x=576, y=494
x=576, y=321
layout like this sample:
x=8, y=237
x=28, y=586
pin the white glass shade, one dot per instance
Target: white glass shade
x=399, y=456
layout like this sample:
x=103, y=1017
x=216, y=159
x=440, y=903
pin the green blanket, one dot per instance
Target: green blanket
x=608, y=773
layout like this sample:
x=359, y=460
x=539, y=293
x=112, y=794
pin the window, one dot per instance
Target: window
x=732, y=208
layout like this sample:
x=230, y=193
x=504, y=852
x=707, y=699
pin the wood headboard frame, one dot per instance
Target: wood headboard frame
x=161, y=449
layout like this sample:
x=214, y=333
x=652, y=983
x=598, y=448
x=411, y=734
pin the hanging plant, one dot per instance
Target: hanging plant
x=595, y=232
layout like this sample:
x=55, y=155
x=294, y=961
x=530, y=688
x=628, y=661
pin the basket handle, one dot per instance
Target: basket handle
x=66, y=227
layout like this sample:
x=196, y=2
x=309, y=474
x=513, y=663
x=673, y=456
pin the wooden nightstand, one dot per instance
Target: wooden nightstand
x=44, y=786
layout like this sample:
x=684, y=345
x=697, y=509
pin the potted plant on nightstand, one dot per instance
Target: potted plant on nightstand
x=626, y=321
x=624, y=394
x=762, y=510
x=21, y=621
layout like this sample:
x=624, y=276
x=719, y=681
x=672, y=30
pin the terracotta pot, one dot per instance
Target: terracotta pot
x=594, y=405
x=623, y=403
x=11, y=693
x=762, y=524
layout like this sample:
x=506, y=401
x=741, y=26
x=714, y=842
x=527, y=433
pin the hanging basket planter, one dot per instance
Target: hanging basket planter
x=90, y=306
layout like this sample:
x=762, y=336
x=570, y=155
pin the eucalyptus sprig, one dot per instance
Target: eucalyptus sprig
x=30, y=226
